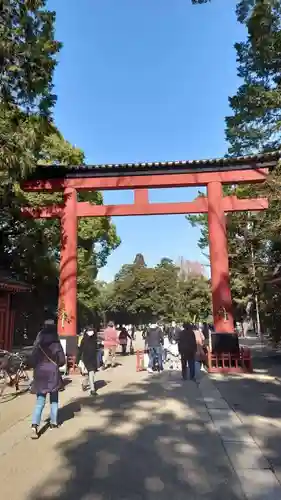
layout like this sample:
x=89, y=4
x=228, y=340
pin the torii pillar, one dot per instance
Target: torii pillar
x=67, y=321
x=221, y=294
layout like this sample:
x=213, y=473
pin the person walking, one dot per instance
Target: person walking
x=110, y=342
x=173, y=332
x=123, y=339
x=200, y=342
x=206, y=331
x=153, y=342
x=166, y=344
x=187, y=348
x=88, y=353
x=46, y=359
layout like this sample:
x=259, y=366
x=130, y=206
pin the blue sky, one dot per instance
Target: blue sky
x=146, y=80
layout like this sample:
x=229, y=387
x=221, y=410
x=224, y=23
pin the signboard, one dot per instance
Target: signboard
x=63, y=368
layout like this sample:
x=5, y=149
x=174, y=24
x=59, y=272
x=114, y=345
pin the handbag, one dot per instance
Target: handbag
x=200, y=354
x=82, y=367
x=132, y=350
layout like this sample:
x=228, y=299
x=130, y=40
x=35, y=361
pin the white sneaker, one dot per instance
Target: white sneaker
x=149, y=370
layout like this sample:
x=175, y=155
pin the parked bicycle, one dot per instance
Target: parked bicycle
x=12, y=371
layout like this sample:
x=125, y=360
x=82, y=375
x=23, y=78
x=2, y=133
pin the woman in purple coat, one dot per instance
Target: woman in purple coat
x=46, y=358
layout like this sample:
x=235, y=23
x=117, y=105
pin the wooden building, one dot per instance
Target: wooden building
x=9, y=286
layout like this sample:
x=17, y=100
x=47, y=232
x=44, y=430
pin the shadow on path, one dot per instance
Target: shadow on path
x=258, y=404
x=152, y=441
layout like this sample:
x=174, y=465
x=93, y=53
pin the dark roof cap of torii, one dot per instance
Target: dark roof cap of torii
x=264, y=160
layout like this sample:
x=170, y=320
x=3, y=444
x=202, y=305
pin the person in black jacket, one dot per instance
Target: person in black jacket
x=174, y=332
x=187, y=348
x=153, y=342
x=88, y=353
x=123, y=339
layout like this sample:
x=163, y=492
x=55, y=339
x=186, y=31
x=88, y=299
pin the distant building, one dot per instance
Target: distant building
x=189, y=268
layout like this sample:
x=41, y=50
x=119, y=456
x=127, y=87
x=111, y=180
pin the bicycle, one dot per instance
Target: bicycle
x=12, y=371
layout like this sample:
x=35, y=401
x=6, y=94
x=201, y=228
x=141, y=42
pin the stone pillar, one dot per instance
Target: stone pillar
x=67, y=321
x=221, y=294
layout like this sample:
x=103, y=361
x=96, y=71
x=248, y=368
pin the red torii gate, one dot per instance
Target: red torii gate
x=141, y=177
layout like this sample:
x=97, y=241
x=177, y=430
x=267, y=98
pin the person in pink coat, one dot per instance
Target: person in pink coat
x=110, y=342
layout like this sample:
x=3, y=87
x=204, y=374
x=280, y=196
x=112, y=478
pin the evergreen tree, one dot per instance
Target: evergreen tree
x=28, y=58
x=254, y=127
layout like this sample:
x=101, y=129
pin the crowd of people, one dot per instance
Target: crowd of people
x=184, y=344
x=97, y=350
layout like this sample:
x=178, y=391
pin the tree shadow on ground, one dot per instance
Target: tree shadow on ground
x=152, y=441
x=10, y=393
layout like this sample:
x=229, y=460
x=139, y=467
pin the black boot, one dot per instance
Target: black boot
x=54, y=426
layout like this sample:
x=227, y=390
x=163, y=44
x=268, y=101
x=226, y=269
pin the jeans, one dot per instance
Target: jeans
x=100, y=358
x=152, y=353
x=191, y=365
x=40, y=403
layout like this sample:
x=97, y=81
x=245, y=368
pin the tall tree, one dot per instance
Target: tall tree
x=28, y=59
x=254, y=127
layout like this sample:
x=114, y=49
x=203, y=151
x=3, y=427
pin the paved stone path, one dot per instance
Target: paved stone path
x=143, y=438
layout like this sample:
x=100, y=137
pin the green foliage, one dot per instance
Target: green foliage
x=255, y=123
x=28, y=51
x=20, y=139
x=140, y=294
x=28, y=59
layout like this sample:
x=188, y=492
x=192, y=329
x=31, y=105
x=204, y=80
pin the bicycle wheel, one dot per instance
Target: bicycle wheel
x=4, y=381
x=22, y=380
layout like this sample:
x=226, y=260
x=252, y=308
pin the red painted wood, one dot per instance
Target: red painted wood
x=241, y=363
x=234, y=204
x=7, y=335
x=12, y=328
x=68, y=267
x=222, y=303
x=215, y=205
x=3, y=305
x=200, y=205
x=49, y=212
x=197, y=206
x=148, y=181
x=141, y=196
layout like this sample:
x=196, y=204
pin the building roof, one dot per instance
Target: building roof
x=12, y=284
x=265, y=160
